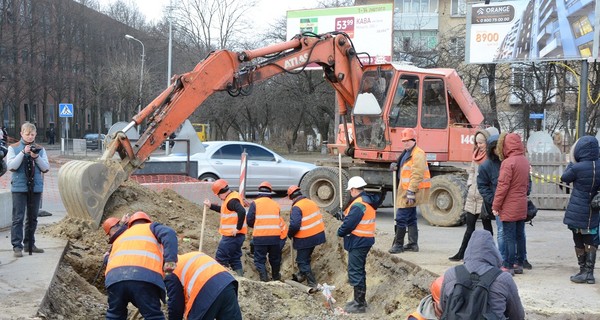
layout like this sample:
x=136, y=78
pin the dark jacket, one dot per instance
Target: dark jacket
x=487, y=177
x=584, y=172
x=482, y=255
x=352, y=220
x=510, y=199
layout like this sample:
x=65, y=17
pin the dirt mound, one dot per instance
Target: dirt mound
x=394, y=287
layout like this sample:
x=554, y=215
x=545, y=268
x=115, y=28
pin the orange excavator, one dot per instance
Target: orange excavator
x=375, y=103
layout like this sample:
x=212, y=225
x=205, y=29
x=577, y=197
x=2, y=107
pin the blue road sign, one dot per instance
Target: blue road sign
x=536, y=116
x=65, y=110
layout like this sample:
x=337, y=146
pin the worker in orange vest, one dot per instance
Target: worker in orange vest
x=232, y=227
x=429, y=307
x=138, y=261
x=358, y=231
x=413, y=190
x=263, y=216
x=307, y=230
x=201, y=288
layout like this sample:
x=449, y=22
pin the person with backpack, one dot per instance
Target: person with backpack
x=478, y=288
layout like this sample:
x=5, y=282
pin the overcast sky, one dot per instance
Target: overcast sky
x=267, y=11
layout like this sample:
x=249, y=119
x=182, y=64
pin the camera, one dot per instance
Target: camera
x=35, y=149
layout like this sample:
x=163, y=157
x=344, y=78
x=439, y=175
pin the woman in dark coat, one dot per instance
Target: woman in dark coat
x=584, y=172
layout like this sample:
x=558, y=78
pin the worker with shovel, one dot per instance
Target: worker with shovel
x=358, y=231
x=307, y=231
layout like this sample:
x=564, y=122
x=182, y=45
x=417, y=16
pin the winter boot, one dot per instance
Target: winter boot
x=360, y=303
x=276, y=274
x=240, y=272
x=413, y=238
x=590, y=263
x=263, y=275
x=298, y=277
x=461, y=252
x=311, y=280
x=397, y=246
x=580, y=253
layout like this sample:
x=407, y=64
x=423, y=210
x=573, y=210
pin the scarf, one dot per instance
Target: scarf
x=479, y=155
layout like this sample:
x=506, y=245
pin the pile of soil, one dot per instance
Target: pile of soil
x=394, y=287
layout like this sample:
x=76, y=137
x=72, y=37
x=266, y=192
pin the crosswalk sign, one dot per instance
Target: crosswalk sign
x=65, y=110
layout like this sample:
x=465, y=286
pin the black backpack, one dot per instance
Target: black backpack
x=469, y=299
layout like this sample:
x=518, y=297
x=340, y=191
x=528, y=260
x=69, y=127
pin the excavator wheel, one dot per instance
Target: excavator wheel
x=446, y=201
x=321, y=185
x=85, y=187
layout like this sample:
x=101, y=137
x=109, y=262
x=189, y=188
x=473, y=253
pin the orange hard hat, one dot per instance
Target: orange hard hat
x=436, y=288
x=408, y=134
x=109, y=223
x=292, y=190
x=265, y=185
x=138, y=216
x=220, y=186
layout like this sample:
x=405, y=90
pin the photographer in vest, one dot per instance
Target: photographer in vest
x=232, y=226
x=27, y=161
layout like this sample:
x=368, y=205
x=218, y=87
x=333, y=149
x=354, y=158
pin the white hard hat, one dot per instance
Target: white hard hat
x=356, y=182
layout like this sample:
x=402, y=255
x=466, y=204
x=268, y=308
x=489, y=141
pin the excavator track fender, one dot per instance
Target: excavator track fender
x=321, y=185
x=446, y=201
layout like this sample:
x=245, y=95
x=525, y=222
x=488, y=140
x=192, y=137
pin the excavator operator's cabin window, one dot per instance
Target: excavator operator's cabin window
x=405, y=103
x=369, y=127
x=434, y=112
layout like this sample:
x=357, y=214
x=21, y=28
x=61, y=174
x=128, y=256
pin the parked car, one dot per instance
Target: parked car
x=93, y=140
x=221, y=159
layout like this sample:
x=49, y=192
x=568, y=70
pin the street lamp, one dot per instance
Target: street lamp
x=129, y=37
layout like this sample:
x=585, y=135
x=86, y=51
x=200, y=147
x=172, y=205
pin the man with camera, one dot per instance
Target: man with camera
x=27, y=161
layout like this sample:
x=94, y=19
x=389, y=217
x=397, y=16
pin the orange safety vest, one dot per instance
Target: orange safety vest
x=137, y=247
x=284, y=229
x=267, y=218
x=312, y=220
x=407, y=170
x=229, y=219
x=194, y=269
x=366, y=226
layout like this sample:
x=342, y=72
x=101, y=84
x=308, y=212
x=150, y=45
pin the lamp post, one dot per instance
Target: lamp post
x=129, y=37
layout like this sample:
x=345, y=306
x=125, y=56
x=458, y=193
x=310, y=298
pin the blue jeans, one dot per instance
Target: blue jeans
x=23, y=203
x=406, y=217
x=500, y=236
x=514, y=240
x=225, y=306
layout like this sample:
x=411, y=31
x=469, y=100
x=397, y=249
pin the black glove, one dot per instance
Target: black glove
x=339, y=214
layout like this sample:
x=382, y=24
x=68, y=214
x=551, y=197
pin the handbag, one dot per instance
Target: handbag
x=531, y=211
x=486, y=211
x=595, y=203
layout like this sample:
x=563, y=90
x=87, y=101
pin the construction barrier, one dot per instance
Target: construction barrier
x=547, y=192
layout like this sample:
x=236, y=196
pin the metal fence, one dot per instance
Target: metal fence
x=546, y=191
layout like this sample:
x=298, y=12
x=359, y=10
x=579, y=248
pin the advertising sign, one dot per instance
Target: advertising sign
x=530, y=30
x=370, y=27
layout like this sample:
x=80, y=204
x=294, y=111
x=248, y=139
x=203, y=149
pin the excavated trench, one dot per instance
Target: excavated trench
x=77, y=292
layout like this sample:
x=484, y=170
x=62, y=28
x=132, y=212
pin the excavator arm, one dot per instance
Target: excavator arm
x=85, y=186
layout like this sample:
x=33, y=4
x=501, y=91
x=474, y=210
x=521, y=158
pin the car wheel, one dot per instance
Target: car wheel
x=208, y=177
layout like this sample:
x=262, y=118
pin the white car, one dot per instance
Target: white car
x=221, y=160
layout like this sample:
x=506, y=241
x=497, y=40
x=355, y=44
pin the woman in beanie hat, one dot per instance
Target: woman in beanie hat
x=474, y=200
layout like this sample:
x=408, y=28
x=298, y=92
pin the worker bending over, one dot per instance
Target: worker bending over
x=307, y=231
x=201, y=288
x=136, y=266
x=263, y=216
x=232, y=226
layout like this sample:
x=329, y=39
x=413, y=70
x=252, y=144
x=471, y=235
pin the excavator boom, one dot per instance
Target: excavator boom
x=85, y=186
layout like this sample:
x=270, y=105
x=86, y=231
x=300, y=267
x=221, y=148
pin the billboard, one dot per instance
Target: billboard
x=531, y=30
x=370, y=27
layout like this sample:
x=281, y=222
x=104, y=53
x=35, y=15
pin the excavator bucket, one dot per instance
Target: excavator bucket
x=85, y=187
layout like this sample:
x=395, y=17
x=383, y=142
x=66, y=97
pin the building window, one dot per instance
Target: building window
x=484, y=85
x=457, y=46
x=416, y=6
x=458, y=8
x=582, y=27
